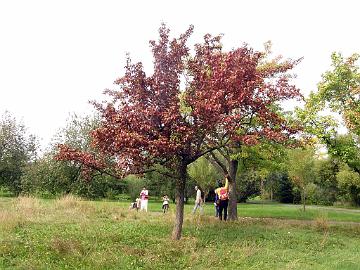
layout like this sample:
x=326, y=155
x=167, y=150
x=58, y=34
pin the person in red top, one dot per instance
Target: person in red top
x=223, y=198
x=144, y=196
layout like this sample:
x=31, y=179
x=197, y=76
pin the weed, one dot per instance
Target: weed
x=322, y=223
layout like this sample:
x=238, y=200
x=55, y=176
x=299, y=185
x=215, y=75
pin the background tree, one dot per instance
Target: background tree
x=47, y=177
x=327, y=189
x=204, y=175
x=301, y=169
x=145, y=124
x=349, y=183
x=17, y=149
x=283, y=188
x=340, y=89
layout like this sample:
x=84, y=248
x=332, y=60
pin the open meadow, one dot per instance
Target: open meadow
x=69, y=233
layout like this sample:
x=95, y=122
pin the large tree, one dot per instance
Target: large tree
x=153, y=120
x=339, y=92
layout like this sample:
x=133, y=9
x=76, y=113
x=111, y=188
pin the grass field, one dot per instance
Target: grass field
x=72, y=234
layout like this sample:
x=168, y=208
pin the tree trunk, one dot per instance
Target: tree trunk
x=179, y=197
x=303, y=198
x=233, y=166
x=262, y=189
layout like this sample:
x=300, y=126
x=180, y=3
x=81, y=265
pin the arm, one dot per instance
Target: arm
x=226, y=183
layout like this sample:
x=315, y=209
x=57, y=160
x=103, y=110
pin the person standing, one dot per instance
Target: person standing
x=198, y=200
x=144, y=196
x=223, y=198
x=165, y=205
x=216, y=204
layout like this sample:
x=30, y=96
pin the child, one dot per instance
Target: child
x=135, y=205
x=138, y=203
x=165, y=205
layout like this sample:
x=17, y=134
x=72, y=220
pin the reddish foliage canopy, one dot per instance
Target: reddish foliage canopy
x=151, y=119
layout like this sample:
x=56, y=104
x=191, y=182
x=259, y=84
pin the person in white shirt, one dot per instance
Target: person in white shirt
x=144, y=195
x=198, y=200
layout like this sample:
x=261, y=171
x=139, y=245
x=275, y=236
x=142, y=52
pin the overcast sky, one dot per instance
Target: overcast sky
x=55, y=56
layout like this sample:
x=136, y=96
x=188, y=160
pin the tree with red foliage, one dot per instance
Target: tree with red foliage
x=153, y=120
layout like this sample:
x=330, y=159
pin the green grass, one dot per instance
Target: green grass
x=73, y=234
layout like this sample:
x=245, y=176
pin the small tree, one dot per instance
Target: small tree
x=301, y=169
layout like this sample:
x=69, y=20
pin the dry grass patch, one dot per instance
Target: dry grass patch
x=8, y=220
x=23, y=209
x=27, y=206
x=321, y=223
x=67, y=202
x=72, y=207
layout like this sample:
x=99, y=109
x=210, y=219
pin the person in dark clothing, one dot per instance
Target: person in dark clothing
x=223, y=199
x=216, y=205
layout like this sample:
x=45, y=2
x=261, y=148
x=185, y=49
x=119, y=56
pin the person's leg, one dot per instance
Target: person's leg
x=226, y=203
x=146, y=205
x=195, y=207
x=221, y=208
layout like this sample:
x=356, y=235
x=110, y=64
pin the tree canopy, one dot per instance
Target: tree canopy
x=152, y=119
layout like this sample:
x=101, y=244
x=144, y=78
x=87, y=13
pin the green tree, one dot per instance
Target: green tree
x=48, y=177
x=327, y=190
x=17, y=149
x=340, y=89
x=134, y=185
x=283, y=191
x=301, y=169
x=204, y=175
x=349, y=183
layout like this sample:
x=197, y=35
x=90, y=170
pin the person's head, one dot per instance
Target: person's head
x=196, y=187
x=144, y=188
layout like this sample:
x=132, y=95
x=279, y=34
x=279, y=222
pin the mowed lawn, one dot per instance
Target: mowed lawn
x=72, y=234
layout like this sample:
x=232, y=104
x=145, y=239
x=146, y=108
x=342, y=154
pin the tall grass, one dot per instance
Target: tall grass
x=71, y=233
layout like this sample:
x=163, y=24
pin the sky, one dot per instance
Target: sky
x=55, y=56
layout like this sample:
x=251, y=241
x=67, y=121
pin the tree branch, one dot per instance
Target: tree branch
x=217, y=163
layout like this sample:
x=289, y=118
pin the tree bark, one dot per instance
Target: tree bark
x=233, y=166
x=179, y=197
x=303, y=198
